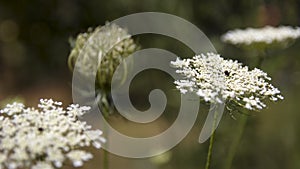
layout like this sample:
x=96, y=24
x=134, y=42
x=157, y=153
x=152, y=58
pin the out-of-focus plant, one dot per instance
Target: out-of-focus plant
x=8, y=100
x=109, y=44
x=259, y=40
x=262, y=38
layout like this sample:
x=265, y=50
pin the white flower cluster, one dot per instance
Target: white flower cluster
x=46, y=137
x=218, y=80
x=265, y=35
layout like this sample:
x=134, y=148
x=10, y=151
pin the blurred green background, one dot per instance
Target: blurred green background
x=33, y=64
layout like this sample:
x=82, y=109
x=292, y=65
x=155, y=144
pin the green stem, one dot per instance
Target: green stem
x=105, y=153
x=209, y=154
x=260, y=61
x=211, y=142
x=236, y=141
x=105, y=160
x=261, y=57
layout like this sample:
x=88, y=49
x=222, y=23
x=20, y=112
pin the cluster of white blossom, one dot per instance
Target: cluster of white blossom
x=266, y=35
x=218, y=80
x=45, y=138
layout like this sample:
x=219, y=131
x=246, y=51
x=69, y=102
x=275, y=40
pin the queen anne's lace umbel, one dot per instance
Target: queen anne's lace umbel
x=102, y=48
x=46, y=137
x=218, y=80
x=265, y=35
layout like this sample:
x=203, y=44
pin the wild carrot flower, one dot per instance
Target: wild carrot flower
x=218, y=80
x=102, y=49
x=267, y=36
x=109, y=43
x=45, y=138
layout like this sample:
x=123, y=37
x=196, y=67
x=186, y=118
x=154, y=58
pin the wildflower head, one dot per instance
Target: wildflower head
x=262, y=38
x=217, y=80
x=47, y=137
x=109, y=44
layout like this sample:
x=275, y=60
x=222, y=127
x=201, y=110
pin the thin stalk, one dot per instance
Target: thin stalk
x=209, y=153
x=261, y=57
x=211, y=142
x=105, y=160
x=260, y=61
